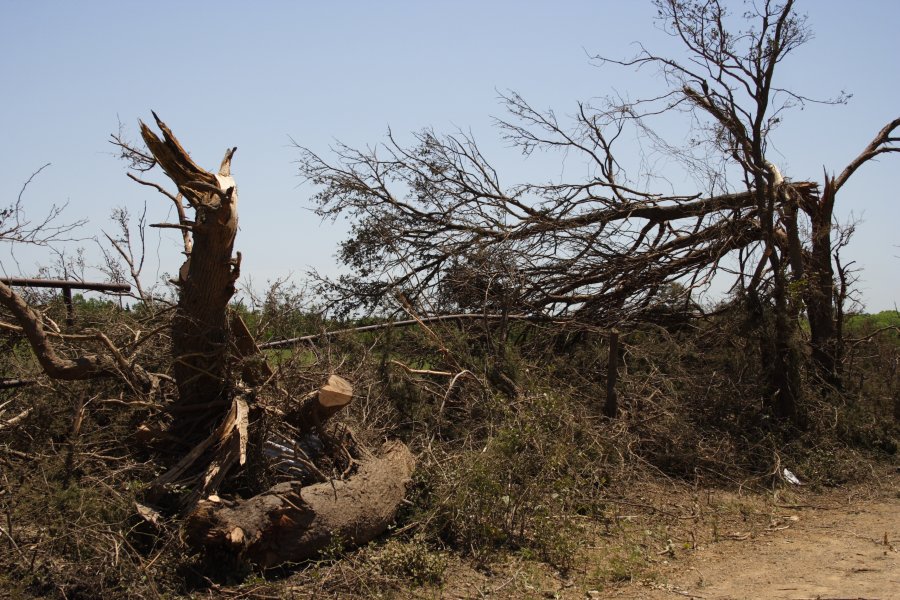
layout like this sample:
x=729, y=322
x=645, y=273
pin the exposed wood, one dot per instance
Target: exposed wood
x=230, y=443
x=232, y=450
x=290, y=524
x=16, y=419
x=336, y=393
x=206, y=280
x=6, y=384
x=148, y=514
x=316, y=409
x=412, y=371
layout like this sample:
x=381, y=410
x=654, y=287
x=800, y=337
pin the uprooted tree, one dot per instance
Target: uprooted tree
x=433, y=222
x=214, y=416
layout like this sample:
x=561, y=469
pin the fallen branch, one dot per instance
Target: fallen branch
x=54, y=365
x=406, y=323
x=412, y=371
x=862, y=340
x=6, y=384
x=16, y=419
x=96, y=286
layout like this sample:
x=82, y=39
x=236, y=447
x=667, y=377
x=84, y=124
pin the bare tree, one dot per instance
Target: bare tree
x=17, y=228
x=434, y=216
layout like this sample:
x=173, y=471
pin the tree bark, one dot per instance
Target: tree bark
x=206, y=279
x=819, y=296
x=785, y=369
x=290, y=524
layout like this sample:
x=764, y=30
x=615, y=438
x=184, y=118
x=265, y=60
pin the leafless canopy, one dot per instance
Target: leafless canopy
x=433, y=220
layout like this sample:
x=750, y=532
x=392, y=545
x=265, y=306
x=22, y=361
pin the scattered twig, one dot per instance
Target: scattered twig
x=16, y=419
x=409, y=369
x=6, y=384
x=452, y=384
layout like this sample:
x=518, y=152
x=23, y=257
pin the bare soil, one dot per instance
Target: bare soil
x=843, y=552
x=839, y=544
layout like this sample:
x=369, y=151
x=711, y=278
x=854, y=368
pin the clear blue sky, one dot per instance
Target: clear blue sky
x=254, y=74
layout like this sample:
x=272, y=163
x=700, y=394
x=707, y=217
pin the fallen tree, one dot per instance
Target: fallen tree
x=210, y=403
x=289, y=523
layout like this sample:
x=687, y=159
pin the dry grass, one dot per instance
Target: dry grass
x=522, y=485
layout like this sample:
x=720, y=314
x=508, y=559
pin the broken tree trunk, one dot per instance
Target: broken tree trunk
x=292, y=454
x=320, y=406
x=206, y=282
x=290, y=524
x=286, y=523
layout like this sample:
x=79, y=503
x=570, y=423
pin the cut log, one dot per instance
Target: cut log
x=337, y=393
x=289, y=524
x=317, y=408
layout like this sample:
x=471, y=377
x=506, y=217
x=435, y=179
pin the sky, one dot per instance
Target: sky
x=258, y=75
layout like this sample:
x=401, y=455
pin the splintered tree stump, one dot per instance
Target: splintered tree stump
x=290, y=524
x=206, y=281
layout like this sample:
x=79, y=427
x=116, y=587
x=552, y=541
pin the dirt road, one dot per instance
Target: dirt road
x=671, y=543
x=814, y=553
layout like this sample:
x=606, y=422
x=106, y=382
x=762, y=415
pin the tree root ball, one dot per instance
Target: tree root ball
x=290, y=524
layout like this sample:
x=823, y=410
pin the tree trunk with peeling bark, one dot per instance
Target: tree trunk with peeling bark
x=206, y=281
